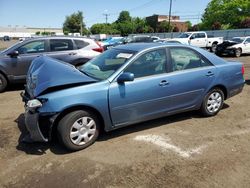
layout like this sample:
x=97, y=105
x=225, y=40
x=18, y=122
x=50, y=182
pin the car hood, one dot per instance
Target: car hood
x=46, y=74
x=227, y=43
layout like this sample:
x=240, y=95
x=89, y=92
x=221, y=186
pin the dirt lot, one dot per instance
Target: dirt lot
x=184, y=150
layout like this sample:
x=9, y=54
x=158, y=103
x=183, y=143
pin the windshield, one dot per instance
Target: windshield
x=104, y=65
x=238, y=40
x=184, y=35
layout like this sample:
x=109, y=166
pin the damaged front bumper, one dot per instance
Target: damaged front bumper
x=39, y=125
x=32, y=125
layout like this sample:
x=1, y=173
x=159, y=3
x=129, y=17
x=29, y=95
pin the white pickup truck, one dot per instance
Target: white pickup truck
x=199, y=39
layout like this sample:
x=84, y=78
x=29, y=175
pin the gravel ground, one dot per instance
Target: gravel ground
x=184, y=150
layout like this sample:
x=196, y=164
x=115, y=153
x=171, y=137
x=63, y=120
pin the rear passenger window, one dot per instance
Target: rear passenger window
x=183, y=58
x=80, y=44
x=60, y=44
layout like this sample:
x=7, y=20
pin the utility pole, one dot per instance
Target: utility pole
x=106, y=17
x=169, y=15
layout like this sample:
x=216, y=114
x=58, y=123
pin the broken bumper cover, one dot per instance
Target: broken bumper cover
x=32, y=125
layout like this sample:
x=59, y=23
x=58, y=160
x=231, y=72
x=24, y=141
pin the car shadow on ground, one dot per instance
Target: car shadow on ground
x=247, y=82
x=15, y=87
x=56, y=148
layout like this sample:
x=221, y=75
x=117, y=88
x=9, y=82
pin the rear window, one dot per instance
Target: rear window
x=61, y=44
x=80, y=44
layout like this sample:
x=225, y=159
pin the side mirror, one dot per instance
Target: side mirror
x=192, y=37
x=126, y=77
x=14, y=53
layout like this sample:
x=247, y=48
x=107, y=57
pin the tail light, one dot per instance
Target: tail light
x=100, y=49
x=243, y=70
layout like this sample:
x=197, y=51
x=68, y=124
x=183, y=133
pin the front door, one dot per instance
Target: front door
x=142, y=98
x=27, y=53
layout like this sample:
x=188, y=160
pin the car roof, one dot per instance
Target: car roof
x=143, y=46
x=55, y=37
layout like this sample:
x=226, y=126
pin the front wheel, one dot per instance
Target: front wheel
x=78, y=129
x=3, y=83
x=212, y=102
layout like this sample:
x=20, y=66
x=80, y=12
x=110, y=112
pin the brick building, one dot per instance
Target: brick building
x=155, y=20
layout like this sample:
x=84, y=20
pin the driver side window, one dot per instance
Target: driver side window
x=150, y=63
x=32, y=47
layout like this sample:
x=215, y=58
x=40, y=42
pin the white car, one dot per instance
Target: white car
x=236, y=46
x=199, y=39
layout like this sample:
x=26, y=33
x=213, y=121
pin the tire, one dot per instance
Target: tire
x=212, y=102
x=3, y=83
x=213, y=47
x=76, y=135
x=237, y=52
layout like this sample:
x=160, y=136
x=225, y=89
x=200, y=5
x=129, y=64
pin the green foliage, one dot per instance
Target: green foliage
x=104, y=28
x=164, y=27
x=73, y=23
x=38, y=33
x=225, y=12
x=124, y=17
x=245, y=23
x=189, y=24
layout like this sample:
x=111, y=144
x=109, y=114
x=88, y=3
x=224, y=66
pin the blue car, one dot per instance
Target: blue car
x=125, y=85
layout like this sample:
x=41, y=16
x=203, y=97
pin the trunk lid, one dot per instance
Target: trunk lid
x=46, y=73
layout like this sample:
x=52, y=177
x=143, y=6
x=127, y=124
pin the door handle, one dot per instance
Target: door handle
x=72, y=53
x=209, y=73
x=163, y=83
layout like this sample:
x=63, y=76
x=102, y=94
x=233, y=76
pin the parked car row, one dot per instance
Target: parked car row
x=15, y=61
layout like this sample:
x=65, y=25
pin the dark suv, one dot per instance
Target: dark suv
x=15, y=61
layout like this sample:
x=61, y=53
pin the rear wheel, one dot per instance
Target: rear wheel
x=3, y=83
x=213, y=102
x=78, y=129
x=237, y=52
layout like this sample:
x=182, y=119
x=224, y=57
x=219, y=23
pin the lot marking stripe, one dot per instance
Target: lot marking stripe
x=164, y=145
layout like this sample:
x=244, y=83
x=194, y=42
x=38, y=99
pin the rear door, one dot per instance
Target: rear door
x=62, y=49
x=190, y=77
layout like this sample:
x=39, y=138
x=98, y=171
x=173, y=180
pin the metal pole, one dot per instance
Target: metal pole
x=106, y=17
x=169, y=15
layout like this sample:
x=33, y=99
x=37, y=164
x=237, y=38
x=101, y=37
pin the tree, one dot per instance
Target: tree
x=245, y=23
x=189, y=25
x=164, y=26
x=230, y=12
x=74, y=23
x=103, y=29
x=124, y=23
x=124, y=16
x=216, y=26
x=38, y=33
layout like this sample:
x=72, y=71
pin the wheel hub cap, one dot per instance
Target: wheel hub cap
x=214, y=102
x=82, y=130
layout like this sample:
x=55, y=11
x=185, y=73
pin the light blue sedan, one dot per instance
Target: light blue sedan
x=125, y=85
